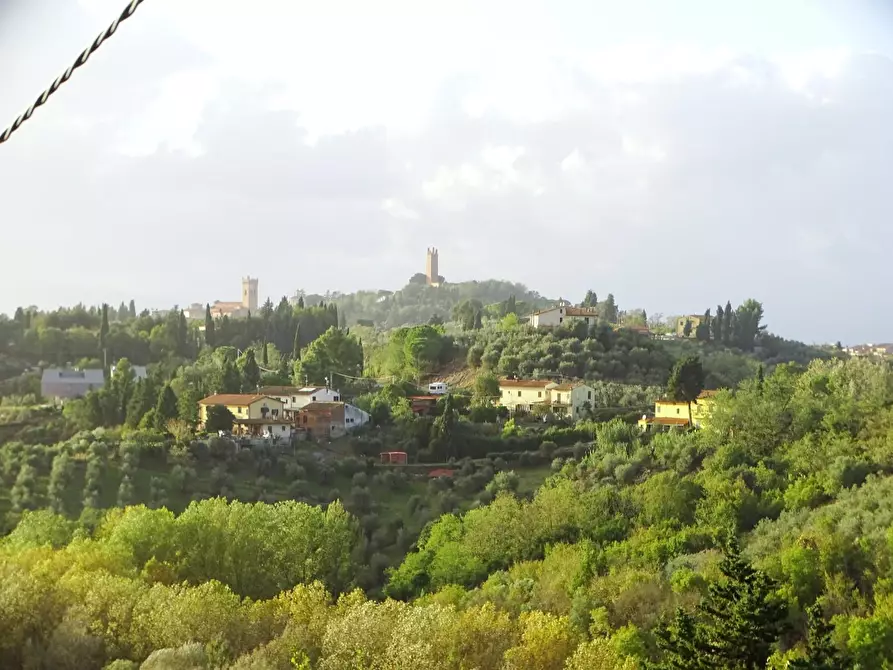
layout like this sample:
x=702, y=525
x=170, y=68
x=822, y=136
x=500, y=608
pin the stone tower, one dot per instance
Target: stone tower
x=432, y=273
x=249, y=294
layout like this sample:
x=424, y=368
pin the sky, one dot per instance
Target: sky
x=677, y=155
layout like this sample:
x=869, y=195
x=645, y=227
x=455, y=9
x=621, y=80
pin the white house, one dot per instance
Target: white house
x=296, y=397
x=562, y=315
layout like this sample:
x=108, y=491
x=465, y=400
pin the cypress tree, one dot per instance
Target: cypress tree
x=296, y=348
x=209, y=327
x=718, y=324
x=104, y=332
x=727, y=324
x=131, y=308
x=166, y=407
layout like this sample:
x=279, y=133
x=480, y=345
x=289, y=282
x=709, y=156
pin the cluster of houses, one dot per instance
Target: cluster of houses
x=284, y=412
x=60, y=384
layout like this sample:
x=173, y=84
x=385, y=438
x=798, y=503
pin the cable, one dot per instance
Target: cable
x=65, y=76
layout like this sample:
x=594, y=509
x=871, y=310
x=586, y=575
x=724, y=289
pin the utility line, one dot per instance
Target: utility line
x=65, y=76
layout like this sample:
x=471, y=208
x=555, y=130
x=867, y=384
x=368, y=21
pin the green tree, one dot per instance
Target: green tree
x=727, y=324
x=610, y=312
x=718, y=322
x=748, y=324
x=141, y=401
x=821, y=654
x=486, y=388
x=296, y=347
x=250, y=371
x=131, y=309
x=735, y=626
x=210, y=340
x=104, y=334
x=333, y=352
x=230, y=379
x=686, y=381
x=166, y=407
x=219, y=418
x=702, y=332
x=686, y=330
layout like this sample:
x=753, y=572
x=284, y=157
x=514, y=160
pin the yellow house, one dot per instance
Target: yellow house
x=669, y=413
x=520, y=394
x=695, y=320
x=566, y=399
x=254, y=414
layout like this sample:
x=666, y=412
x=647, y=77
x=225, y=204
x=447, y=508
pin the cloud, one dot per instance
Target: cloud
x=676, y=191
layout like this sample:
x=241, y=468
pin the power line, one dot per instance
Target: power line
x=65, y=76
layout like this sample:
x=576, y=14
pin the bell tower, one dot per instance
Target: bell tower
x=249, y=294
x=432, y=273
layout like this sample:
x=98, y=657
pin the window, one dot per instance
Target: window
x=677, y=410
x=519, y=394
x=557, y=397
x=336, y=399
x=294, y=400
x=560, y=319
x=283, y=429
x=313, y=398
x=588, y=395
x=539, y=394
x=586, y=319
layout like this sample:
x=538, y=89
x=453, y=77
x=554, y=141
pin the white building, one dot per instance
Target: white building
x=562, y=315
x=58, y=384
x=297, y=397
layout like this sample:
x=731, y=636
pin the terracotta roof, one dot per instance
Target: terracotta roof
x=424, y=397
x=441, y=472
x=567, y=386
x=525, y=383
x=237, y=399
x=708, y=394
x=279, y=390
x=580, y=311
x=664, y=401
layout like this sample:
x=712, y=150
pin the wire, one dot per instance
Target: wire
x=65, y=76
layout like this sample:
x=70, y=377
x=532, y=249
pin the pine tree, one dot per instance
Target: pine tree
x=734, y=627
x=264, y=354
x=131, y=309
x=743, y=616
x=610, y=312
x=166, y=407
x=686, y=381
x=821, y=654
x=210, y=333
x=301, y=302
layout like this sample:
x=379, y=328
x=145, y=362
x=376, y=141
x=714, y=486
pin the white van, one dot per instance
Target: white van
x=437, y=388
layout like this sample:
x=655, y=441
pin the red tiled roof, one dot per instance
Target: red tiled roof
x=237, y=399
x=567, y=386
x=525, y=383
x=424, y=397
x=441, y=472
x=708, y=394
x=280, y=390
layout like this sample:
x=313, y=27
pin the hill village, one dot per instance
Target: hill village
x=283, y=414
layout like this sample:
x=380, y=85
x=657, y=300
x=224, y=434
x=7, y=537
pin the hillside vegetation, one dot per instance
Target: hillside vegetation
x=761, y=538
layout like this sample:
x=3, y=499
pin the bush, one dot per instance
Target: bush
x=222, y=448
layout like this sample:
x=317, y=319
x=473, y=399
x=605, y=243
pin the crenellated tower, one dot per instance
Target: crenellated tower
x=249, y=294
x=432, y=273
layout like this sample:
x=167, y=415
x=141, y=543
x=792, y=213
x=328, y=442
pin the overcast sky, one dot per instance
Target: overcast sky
x=677, y=154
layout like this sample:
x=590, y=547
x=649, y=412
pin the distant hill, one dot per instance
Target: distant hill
x=418, y=303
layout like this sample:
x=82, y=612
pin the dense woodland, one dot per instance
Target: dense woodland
x=132, y=540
